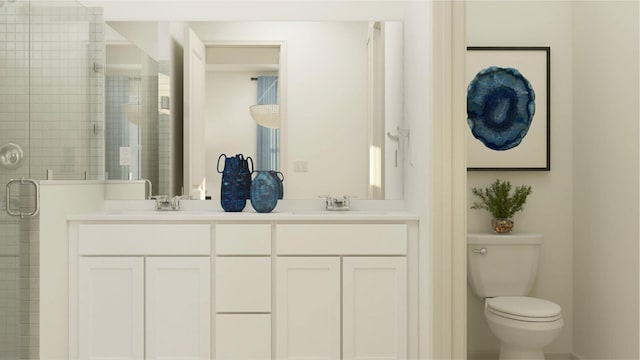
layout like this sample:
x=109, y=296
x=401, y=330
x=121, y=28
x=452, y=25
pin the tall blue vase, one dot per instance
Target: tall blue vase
x=264, y=191
x=236, y=182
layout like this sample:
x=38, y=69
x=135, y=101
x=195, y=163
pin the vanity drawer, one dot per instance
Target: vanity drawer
x=341, y=239
x=243, y=284
x=243, y=336
x=144, y=239
x=247, y=239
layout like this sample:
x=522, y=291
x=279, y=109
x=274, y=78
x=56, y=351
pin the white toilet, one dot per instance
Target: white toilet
x=502, y=269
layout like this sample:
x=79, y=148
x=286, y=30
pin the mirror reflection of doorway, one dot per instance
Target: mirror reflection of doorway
x=239, y=76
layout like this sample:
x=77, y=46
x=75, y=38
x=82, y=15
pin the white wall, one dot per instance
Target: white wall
x=142, y=34
x=549, y=209
x=326, y=101
x=605, y=147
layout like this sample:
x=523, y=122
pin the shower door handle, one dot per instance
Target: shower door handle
x=18, y=212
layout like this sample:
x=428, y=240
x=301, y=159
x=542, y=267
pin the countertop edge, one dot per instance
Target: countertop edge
x=177, y=216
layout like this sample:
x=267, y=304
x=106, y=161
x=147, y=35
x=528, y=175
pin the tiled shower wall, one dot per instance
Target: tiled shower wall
x=50, y=105
x=116, y=134
x=14, y=84
x=150, y=166
x=67, y=82
x=164, y=132
x=15, y=270
x=51, y=101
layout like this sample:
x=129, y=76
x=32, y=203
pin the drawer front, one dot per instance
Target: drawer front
x=341, y=239
x=243, y=336
x=243, y=284
x=144, y=239
x=249, y=239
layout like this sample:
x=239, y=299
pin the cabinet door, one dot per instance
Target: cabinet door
x=110, y=305
x=374, y=308
x=243, y=284
x=178, y=308
x=308, y=308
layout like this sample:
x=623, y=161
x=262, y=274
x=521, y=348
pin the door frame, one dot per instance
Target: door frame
x=449, y=316
x=193, y=113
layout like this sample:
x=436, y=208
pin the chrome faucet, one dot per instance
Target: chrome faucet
x=175, y=201
x=341, y=203
x=163, y=203
x=149, y=188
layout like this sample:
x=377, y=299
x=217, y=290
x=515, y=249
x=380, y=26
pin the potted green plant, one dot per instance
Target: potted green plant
x=501, y=203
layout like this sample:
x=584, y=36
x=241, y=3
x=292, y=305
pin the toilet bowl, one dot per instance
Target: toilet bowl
x=502, y=270
x=524, y=325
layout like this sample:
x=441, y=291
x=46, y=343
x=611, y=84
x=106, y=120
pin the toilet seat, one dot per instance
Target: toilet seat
x=523, y=308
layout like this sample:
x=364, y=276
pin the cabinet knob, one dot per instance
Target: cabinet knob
x=482, y=251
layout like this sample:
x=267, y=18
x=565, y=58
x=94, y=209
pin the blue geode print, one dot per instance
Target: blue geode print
x=500, y=107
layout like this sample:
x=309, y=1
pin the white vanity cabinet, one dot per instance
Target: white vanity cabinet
x=143, y=291
x=243, y=287
x=341, y=289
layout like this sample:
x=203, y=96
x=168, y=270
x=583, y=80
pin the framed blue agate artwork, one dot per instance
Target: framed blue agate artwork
x=508, y=108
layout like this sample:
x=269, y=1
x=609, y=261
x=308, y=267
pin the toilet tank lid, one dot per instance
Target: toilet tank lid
x=502, y=239
x=524, y=306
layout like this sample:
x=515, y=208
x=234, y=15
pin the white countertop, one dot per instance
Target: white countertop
x=211, y=215
x=286, y=211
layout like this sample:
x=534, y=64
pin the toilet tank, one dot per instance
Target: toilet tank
x=502, y=265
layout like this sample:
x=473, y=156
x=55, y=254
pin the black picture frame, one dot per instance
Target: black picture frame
x=537, y=58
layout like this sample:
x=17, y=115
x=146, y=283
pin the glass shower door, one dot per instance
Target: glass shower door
x=51, y=118
x=16, y=272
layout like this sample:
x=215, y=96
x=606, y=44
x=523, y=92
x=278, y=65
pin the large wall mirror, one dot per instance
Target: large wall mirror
x=340, y=90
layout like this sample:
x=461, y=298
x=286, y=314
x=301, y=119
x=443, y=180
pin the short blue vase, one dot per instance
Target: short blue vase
x=264, y=191
x=279, y=180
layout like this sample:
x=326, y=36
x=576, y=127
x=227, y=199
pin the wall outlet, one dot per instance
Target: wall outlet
x=300, y=166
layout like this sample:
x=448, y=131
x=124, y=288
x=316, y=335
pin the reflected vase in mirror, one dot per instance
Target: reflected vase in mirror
x=280, y=179
x=266, y=189
x=236, y=182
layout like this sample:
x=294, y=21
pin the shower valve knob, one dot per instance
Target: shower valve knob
x=11, y=155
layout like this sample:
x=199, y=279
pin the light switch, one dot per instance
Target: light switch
x=125, y=156
x=300, y=166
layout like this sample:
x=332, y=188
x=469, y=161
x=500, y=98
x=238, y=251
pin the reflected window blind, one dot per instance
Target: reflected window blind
x=268, y=140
